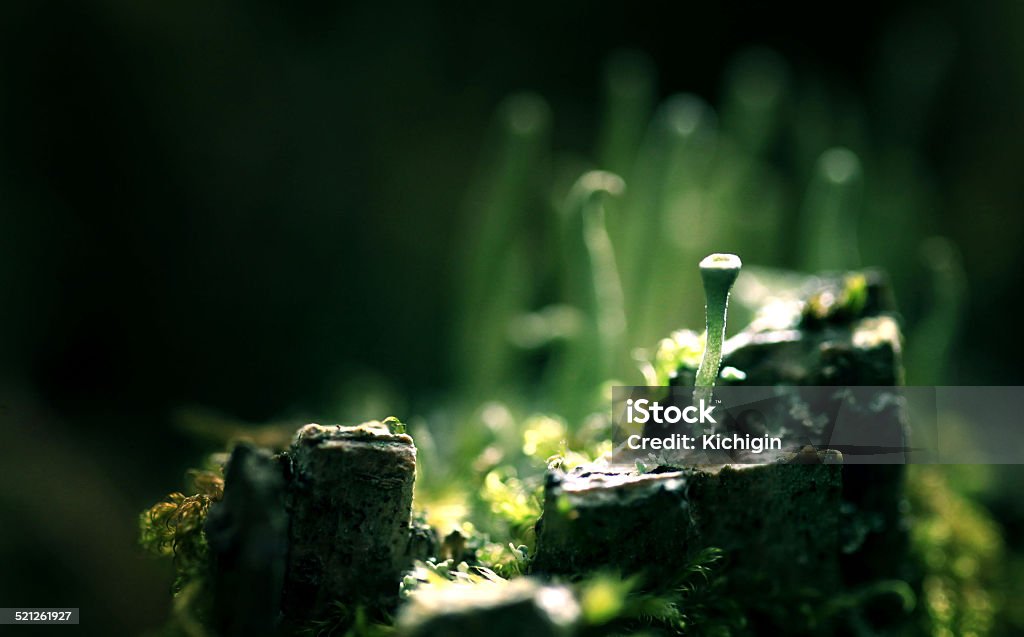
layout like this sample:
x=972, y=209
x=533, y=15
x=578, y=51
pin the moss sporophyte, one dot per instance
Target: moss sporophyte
x=718, y=273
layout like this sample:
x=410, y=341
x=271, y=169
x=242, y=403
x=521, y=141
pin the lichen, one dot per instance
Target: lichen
x=718, y=272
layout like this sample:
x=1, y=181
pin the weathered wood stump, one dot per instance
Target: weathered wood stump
x=350, y=501
x=786, y=525
x=778, y=524
x=247, y=533
x=846, y=334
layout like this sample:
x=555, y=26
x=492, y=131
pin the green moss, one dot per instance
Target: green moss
x=960, y=553
x=512, y=501
x=683, y=349
x=174, y=527
x=345, y=621
x=693, y=602
x=394, y=425
x=837, y=306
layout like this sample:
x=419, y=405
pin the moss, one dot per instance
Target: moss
x=682, y=350
x=512, y=501
x=342, y=620
x=960, y=552
x=843, y=300
x=174, y=527
x=691, y=602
